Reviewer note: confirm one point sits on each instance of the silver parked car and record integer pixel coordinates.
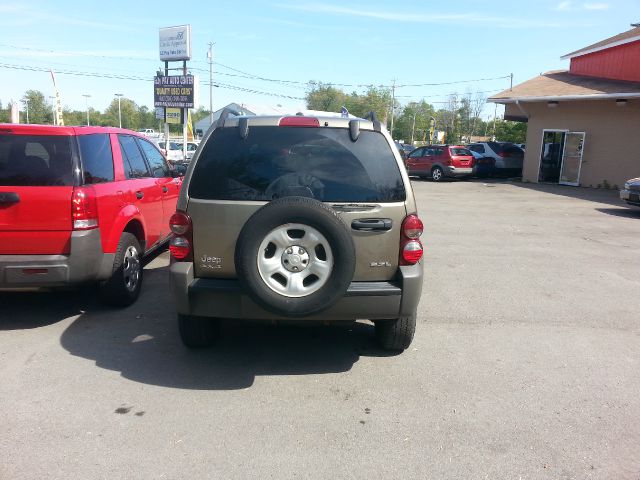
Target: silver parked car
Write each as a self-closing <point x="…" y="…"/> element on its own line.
<point x="295" y="217"/>
<point x="509" y="158"/>
<point x="631" y="192"/>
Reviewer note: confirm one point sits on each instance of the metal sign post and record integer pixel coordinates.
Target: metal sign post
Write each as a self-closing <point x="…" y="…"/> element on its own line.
<point x="175" y="91"/>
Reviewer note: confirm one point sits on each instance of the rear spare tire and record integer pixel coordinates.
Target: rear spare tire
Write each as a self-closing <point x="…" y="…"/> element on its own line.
<point x="295" y="257"/>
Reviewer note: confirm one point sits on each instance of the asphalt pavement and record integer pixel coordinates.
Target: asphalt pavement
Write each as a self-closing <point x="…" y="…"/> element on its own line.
<point x="525" y="365"/>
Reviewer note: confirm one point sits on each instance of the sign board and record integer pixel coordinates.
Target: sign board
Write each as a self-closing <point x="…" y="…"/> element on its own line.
<point x="174" y="115"/>
<point x="177" y="91"/>
<point x="175" y="43"/>
<point x="159" y="113"/>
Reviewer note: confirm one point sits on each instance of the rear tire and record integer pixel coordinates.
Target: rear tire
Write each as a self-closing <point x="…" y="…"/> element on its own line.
<point x="437" y="174"/>
<point x="198" y="332"/>
<point x="123" y="287"/>
<point x="396" y="335"/>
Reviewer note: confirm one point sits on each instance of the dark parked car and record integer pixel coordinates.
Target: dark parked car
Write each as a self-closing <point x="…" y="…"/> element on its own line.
<point x="631" y="192"/>
<point x="483" y="166"/>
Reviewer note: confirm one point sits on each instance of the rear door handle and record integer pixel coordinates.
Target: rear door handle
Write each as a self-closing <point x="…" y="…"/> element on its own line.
<point x="139" y="195"/>
<point x="9" y="197"/>
<point x="372" y="224"/>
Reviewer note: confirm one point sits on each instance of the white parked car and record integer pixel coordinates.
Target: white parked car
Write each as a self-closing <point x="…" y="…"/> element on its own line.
<point x="191" y="149"/>
<point x="173" y="153"/>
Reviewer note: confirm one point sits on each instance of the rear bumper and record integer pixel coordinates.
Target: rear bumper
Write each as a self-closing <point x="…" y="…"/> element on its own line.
<point x="631" y="197"/>
<point x="457" y="172"/>
<point x="85" y="262"/>
<point x="224" y="298"/>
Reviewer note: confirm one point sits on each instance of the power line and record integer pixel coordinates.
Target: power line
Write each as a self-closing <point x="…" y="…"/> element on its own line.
<point x="137" y="78"/>
<point x="254" y="76"/>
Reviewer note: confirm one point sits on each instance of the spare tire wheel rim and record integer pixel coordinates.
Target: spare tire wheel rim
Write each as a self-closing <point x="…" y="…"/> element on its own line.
<point x="295" y="260"/>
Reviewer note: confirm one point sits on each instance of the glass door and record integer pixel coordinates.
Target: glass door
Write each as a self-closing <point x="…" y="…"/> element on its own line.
<point x="572" y="159"/>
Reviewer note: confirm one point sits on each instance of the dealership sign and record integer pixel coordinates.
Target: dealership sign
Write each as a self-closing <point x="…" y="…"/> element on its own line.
<point x="175" y="43"/>
<point x="174" y="91"/>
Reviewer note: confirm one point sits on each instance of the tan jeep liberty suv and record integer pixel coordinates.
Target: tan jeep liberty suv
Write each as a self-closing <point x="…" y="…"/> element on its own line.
<point x="296" y="217"/>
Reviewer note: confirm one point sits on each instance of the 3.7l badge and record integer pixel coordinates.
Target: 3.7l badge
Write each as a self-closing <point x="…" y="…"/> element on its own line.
<point x="380" y="264"/>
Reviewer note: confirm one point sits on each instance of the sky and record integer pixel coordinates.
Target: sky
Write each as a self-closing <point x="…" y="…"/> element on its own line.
<point x="265" y="52"/>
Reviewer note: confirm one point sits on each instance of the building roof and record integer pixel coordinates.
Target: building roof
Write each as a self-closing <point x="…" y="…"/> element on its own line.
<point x="562" y="85"/>
<point x="620" y="39"/>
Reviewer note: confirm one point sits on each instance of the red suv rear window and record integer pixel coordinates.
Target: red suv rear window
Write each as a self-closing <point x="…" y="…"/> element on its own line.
<point x="460" y="152"/>
<point x="35" y="160"/>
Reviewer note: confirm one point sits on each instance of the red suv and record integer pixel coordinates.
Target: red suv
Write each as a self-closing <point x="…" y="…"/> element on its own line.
<point x="439" y="161"/>
<point x="81" y="204"/>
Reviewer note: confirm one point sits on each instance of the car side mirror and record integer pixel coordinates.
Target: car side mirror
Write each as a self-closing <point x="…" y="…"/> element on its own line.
<point x="178" y="171"/>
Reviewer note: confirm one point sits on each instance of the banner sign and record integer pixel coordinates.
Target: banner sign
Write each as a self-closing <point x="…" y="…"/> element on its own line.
<point x="175" y="43"/>
<point x="176" y="91"/>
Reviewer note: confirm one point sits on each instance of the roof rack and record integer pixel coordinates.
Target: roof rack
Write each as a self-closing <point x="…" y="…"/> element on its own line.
<point x="225" y="114"/>
<point x="374" y="119"/>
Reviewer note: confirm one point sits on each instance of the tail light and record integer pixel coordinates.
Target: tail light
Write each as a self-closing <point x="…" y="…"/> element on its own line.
<point x="411" y="249"/>
<point x="502" y="154"/>
<point x="181" y="244"/>
<point x="299" y="121"/>
<point x="84" y="209"/>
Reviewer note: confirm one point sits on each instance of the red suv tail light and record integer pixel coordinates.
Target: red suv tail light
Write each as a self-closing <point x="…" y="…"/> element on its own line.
<point x="411" y="249"/>
<point x="84" y="208"/>
<point x="181" y="245"/>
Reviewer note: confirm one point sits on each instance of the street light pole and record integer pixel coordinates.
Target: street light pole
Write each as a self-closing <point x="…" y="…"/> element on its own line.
<point x="53" y="108"/>
<point x="86" y="97"/>
<point x="119" y="111"/>
<point x="210" y="57"/>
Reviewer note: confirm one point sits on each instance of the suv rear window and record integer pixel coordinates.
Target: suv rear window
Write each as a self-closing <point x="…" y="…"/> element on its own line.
<point x="504" y="147"/>
<point x="460" y="152"/>
<point x="274" y="162"/>
<point x="35" y="160"/>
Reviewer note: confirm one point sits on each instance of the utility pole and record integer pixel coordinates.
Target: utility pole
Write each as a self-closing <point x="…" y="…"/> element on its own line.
<point x="413" y="128"/>
<point x="86" y="97"/>
<point x="210" y="57"/>
<point x="393" y="105"/>
<point x="495" y="112"/>
<point x="53" y="108"/>
<point x="511" y="82"/>
<point x="119" y="111"/>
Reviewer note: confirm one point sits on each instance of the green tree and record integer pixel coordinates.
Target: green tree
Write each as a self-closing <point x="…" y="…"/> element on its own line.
<point x="5" y="113"/>
<point x="147" y="117"/>
<point x="376" y="99"/>
<point x="507" y="131"/>
<point x="129" y="111"/>
<point x="324" y="97"/>
<point x="330" y="99"/>
<point x="405" y="128"/>
<point x="199" y="114"/>
<point x="38" y="109"/>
